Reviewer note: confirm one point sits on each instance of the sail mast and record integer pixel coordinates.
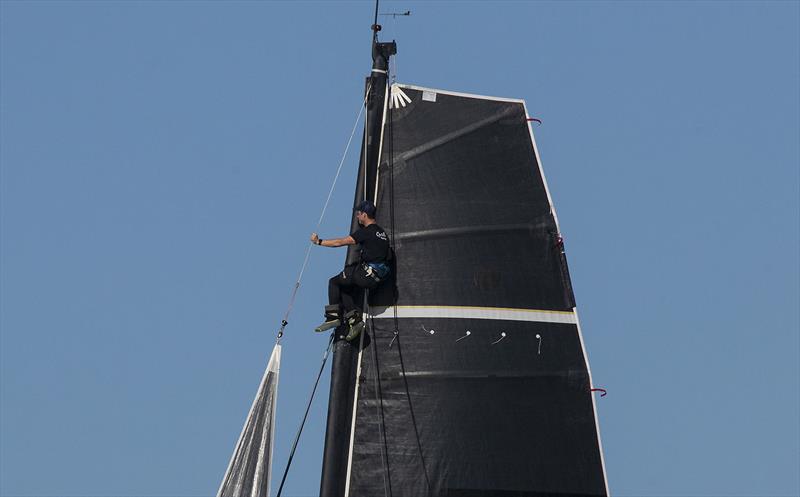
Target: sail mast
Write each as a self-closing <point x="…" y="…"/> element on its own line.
<point x="474" y="381"/>
<point x="345" y="354"/>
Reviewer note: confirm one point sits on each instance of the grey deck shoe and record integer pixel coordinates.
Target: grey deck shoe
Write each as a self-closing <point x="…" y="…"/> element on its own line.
<point x="355" y="330"/>
<point x="333" y="323"/>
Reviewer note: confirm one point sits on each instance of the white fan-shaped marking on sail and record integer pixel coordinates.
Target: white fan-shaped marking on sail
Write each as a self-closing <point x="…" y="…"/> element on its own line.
<point x="399" y="98"/>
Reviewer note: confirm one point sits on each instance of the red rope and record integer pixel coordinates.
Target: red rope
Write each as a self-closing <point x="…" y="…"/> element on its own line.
<point x="601" y="390"/>
<point x="534" y="119"/>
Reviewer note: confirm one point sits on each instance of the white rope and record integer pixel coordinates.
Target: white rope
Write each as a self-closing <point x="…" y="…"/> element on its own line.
<point x="322" y="215"/>
<point x="341" y="162"/>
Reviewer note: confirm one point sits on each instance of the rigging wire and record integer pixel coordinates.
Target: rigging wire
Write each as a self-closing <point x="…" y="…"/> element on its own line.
<point x="293" y="296"/>
<point x="305" y="416"/>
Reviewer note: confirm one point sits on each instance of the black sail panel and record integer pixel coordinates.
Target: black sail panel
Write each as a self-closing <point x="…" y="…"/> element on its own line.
<point x="484" y="390"/>
<point x="472" y="219"/>
<point x="476" y="419"/>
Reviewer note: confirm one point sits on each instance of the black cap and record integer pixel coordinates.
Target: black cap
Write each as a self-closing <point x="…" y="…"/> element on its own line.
<point x="367" y="208"/>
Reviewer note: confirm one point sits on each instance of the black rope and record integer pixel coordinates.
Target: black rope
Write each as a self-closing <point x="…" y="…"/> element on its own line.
<point x="391" y="213"/>
<point x="394" y="306"/>
<point x="387" y="476"/>
<point x="413" y="417"/>
<point x="305" y="416"/>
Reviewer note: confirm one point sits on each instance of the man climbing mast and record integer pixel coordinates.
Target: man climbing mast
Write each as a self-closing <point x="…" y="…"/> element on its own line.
<point x="345" y="290"/>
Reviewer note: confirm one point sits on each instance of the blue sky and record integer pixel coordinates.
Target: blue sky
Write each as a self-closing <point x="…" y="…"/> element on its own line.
<point x="162" y="164"/>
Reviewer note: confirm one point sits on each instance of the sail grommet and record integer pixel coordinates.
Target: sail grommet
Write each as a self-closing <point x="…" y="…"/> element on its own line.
<point x="502" y="336"/>
<point x="468" y="333"/>
<point x="430" y="332"/>
<point x="539" y="350"/>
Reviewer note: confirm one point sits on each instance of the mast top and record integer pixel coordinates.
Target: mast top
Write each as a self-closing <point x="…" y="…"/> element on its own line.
<point x="380" y="51"/>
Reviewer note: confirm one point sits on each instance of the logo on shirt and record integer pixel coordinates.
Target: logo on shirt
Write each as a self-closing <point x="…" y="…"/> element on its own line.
<point x="381" y="235"/>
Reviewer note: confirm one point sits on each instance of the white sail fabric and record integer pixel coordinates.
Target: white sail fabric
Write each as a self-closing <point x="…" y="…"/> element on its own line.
<point x="250" y="468"/>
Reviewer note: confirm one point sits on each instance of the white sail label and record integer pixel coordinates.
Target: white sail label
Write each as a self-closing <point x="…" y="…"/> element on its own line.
<point x="429" y="96"/>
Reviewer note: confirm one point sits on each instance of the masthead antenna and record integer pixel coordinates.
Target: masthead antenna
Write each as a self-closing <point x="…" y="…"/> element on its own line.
<point x="396" y="14"/>
<point x="375" y="26"/>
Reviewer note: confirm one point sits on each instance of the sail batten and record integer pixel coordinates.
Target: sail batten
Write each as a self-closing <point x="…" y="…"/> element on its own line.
<point x="468" y="230"/>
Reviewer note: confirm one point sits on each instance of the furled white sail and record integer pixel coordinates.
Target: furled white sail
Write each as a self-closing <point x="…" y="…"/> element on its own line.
<point x="250" y="468"/>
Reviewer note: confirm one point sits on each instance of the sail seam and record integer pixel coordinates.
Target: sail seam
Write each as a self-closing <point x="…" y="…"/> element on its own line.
<point x="486" y="308"/>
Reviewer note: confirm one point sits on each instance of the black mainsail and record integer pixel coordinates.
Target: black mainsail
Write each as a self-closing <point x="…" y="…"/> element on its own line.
<point x="471" y="378"/>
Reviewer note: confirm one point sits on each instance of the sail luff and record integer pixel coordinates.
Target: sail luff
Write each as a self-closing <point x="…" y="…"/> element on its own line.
<point x="361" y="338"/>
<point x="345" y="360"/>
<point x="353" y="419"/>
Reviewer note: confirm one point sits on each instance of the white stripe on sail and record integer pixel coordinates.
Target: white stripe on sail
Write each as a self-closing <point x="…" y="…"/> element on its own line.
<point x="501" y="313"/>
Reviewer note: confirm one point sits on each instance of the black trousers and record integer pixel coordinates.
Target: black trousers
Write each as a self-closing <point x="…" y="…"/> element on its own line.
<point x="346" y="289"/>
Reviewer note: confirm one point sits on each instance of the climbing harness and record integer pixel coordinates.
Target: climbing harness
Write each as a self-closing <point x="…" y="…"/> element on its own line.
<point x="376" y="272"/>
